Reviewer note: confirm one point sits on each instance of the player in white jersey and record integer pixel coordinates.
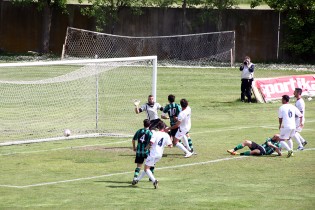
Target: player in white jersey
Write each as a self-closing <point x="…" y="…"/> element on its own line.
<point x="159" y="140"/>
<point x="183" y="124"/>
<point x="300" y="104"/>
<point x="247" y="78"/>
<point x="151" y="109"/>
<point x="286" y="114"/>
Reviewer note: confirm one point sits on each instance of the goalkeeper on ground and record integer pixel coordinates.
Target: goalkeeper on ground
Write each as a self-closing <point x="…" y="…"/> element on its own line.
<point x="151" y="109"/>
<point x="267" y="148"/>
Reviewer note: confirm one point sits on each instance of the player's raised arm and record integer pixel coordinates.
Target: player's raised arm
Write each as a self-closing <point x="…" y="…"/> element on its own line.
<point x="136" y="102"/>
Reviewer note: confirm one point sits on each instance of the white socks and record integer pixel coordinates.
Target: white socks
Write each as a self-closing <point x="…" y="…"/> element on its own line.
<point x="149" y="173"/>
<point x="290" y="143"/>
<point x="141" y="175"/>
<point x="298" y="139"/>
<point x="285" y="145"/>
<point x="302" y="140"/>
<point x="185" y="141"/>
<point x="180" y="146"/>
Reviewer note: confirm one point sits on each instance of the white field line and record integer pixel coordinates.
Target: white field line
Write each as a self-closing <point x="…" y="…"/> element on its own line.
<point x="275" y="127"/>
<point x="127" y="172"/>
<point x="120" y="173"/>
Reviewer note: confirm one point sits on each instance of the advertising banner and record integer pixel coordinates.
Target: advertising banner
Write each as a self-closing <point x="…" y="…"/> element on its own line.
<point x="269" y="89"/>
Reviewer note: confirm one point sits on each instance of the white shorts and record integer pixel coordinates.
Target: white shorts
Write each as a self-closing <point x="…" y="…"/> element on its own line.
<point x="180" y="133"/>
<point x="286" y="133"/>
<point x="150" y="161"/>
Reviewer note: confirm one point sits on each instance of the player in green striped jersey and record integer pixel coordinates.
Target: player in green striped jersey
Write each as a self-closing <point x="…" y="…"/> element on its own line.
<point x="267" y="148"/>
<point x="143" y="137"/>
<point x="173" y="109"/>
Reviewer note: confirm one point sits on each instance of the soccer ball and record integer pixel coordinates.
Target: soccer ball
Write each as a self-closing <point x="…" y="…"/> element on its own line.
<point x="67" y="132"/>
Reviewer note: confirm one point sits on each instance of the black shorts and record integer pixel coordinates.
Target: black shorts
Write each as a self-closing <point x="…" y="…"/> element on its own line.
<point x="173" y="132"/>
<point x="140" y="160"/>
<point x="259" y="147"/>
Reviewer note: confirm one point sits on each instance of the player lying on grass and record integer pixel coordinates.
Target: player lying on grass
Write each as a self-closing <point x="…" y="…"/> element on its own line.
<point x="267" y="148"/>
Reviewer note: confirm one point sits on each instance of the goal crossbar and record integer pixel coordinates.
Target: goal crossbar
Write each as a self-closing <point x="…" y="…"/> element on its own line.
<point x="81" y="61"/>
<point x="189" y="50"/>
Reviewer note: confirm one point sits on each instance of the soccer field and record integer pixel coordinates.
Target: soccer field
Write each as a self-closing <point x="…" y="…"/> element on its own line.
<point x="96" y="173"/>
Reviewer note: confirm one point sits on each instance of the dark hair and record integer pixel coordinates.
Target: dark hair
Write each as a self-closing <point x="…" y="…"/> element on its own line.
<point x="183" y="103"/>
<point x="171" y="98"/>
<point x="160" y="125"/>
<point x="150" y="96"/>
<point x="299" y="91"/>
<point x="286" y="98"/>
<point x="146" y="123"/>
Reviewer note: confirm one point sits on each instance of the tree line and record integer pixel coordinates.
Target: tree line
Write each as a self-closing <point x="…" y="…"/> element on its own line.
<point x="299" y="30"/>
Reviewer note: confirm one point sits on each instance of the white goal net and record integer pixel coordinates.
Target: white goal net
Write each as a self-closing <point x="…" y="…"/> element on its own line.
<point x="202" y="50"/>
<point x="39" y="100"/>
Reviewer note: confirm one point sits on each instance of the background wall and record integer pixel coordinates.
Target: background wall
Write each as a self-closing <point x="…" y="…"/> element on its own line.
<point x="256" y="30"/>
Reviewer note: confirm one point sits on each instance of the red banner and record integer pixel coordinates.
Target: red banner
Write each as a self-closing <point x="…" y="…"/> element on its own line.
<point x="275" y="88"/>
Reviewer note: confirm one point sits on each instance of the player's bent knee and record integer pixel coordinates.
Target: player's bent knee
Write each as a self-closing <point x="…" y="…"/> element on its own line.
<point x="247" y="143"/>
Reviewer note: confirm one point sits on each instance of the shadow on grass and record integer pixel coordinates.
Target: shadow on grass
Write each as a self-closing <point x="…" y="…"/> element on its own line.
<point x="164" y="155"/>
<point x="228" y="103"/>
<point x="114" y="182"/>
<point x="120" y="184"/>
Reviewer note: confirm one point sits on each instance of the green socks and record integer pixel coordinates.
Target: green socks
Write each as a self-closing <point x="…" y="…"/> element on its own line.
<point x="137" y="170"/>
<point x="240" y="146"/>
<point x="152" y="169"/>
<point x="247" y="153"/>
<point x="190" y="143"/>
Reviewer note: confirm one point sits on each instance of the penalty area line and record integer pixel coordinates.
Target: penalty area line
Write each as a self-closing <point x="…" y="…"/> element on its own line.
<point x="120" y="173"/>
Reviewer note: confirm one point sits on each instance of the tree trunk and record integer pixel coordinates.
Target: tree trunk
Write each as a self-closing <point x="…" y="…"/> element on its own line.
<point x="184" y="16"/>
<point x="46" y="24"/>
<point x="186" y="25"/>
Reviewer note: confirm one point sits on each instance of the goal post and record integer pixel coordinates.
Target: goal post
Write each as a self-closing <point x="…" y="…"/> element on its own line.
<point x="190" y="50"/>
<point x="91" y="97"/>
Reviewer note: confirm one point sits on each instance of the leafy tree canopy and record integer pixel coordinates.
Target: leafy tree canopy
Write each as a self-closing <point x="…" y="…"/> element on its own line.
<point x="299" y="33"/>
<point x="42" y="3"/>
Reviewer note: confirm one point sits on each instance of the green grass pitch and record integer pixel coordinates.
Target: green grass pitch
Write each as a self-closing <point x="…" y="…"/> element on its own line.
<point x="96" y="173"/>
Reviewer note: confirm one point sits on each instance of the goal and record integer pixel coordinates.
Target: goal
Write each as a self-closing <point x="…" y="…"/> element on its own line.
<point x="91" y="97"/>
<point x="202" y="50"/>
